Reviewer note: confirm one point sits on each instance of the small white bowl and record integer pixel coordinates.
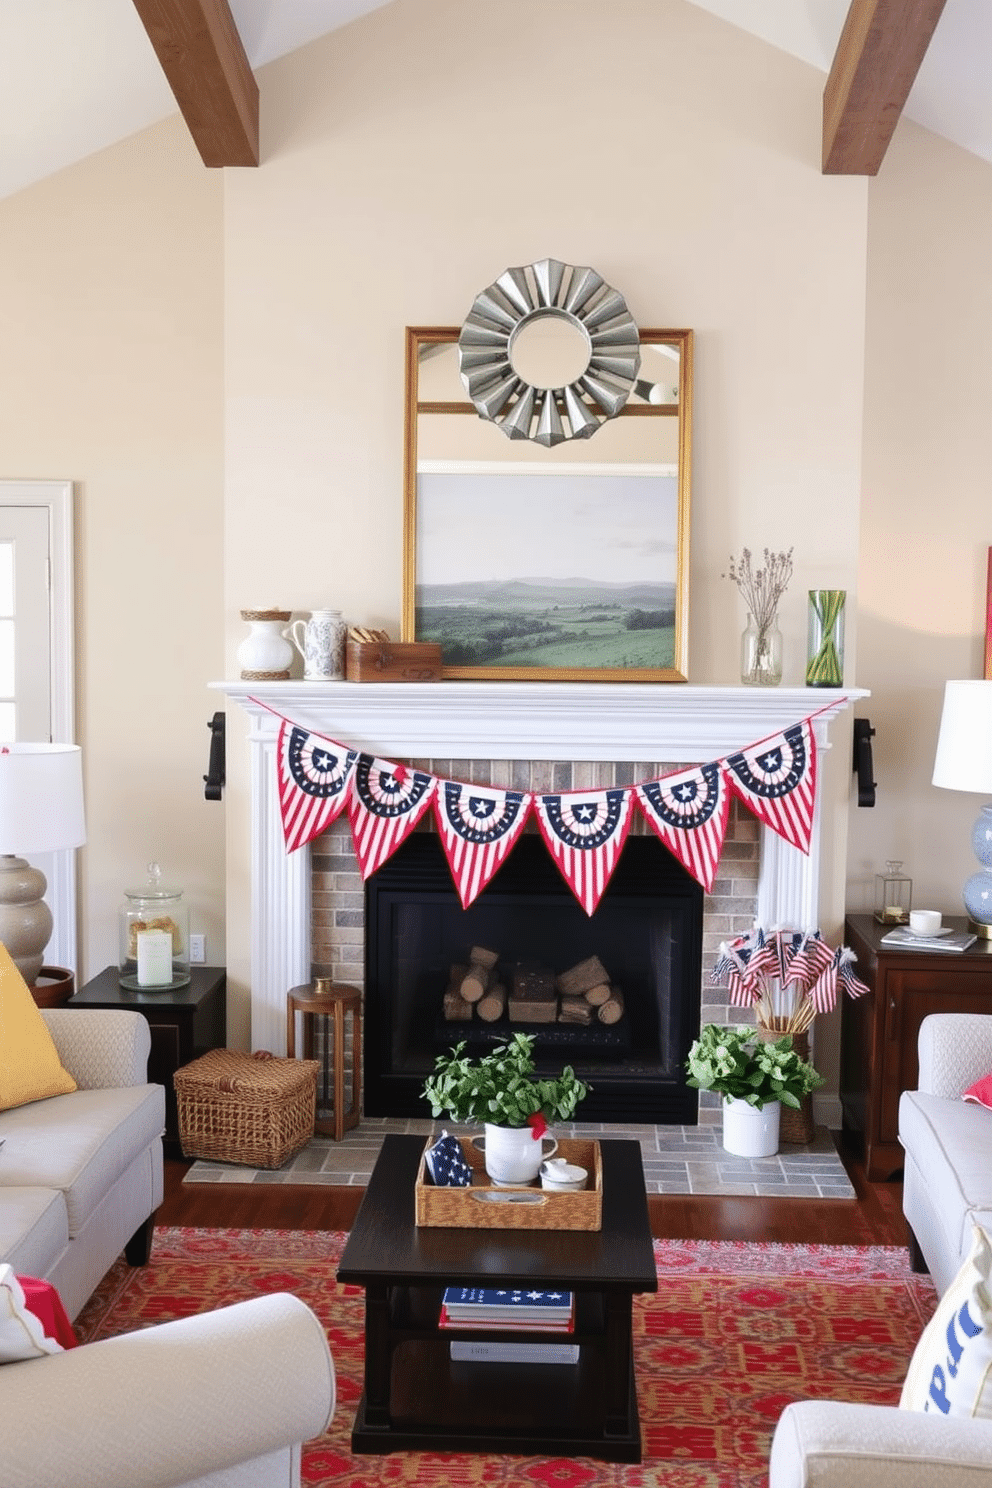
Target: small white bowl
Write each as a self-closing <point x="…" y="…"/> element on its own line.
<point x="559" y="1176"/>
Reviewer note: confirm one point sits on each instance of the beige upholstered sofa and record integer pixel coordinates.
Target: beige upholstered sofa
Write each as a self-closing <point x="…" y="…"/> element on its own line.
<point x="81" y="1174"/>
<point x="947" y="1188"/>
<point x="221" y="1400"/>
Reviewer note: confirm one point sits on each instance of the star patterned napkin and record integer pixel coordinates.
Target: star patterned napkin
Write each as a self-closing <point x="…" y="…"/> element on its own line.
<point x="447" y="1163"/>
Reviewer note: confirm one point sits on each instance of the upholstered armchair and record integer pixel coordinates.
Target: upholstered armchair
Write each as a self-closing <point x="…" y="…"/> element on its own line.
<point x="830" y="1444"/>
<point x="221" y="1400"/>
<point x="947" y="1192"/>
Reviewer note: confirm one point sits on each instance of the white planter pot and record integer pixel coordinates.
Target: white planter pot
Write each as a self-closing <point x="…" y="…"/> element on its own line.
<point x="751" y="1131"/>
<point x="514" y="1155"/>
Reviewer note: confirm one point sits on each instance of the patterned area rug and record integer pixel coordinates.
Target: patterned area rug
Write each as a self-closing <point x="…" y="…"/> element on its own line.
<point x="733" y="1334"/>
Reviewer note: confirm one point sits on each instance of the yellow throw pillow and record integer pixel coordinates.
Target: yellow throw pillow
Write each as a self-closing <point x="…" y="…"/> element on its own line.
<point x="30" y="1068"/>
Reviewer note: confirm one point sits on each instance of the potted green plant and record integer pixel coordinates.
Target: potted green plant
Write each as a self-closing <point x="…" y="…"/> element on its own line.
<point x="755" y="1079"/>
<point x="502" y="1091"/>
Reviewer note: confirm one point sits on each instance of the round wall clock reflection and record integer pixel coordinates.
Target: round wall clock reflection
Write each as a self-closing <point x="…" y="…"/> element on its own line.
<point x="549" y="352"/>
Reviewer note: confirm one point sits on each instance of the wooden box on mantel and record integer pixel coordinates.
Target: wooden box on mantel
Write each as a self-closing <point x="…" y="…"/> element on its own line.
<point x="483" y="1205"/>
<point x="392" y="661"/>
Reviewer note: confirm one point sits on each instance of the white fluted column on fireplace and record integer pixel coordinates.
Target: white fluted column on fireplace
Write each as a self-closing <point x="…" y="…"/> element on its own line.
<point x="501" y="721"/>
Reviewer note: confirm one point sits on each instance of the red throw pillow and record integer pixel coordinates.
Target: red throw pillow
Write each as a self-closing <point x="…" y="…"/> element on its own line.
<point x="33" y="1321"/>
<point x="980" y="1092"/>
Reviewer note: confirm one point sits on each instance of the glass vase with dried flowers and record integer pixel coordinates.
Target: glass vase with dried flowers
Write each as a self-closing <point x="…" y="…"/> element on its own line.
<point x="761" y="589"/>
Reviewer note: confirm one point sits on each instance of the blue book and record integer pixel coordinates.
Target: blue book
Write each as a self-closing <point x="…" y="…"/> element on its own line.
<point x="513" y="1304"/>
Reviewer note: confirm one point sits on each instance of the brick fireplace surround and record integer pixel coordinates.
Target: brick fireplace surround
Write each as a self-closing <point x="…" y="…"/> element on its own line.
<point x="307" y="907"/>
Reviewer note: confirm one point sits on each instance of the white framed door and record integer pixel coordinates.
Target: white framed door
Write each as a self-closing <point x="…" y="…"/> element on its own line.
<point x="37" y="693"/>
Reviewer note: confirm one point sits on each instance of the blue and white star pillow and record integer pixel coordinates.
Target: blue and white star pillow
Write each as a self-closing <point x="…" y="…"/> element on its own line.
<point x="447" y="1164"/>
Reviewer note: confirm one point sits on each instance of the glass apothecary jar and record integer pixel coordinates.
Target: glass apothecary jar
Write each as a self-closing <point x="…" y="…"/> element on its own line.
<point x="154" y="936"/>
<point x="893" y="895"/>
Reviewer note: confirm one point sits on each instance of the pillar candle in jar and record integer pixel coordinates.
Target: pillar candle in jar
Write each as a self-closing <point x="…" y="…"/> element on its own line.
<point x="154" y="958"/>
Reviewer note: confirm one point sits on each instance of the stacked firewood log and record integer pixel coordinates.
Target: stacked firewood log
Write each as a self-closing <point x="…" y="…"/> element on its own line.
<point x="579" y="996"/>
<point x="586" y="990"/>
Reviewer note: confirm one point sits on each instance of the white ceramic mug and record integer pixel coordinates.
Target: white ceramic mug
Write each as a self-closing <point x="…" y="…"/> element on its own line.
<point x="924" y="921"/>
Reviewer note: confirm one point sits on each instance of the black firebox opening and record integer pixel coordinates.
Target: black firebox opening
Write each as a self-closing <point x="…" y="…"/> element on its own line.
<point x="647" y="932"/>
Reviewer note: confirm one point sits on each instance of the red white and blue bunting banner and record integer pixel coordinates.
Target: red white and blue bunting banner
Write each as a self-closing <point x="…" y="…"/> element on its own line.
<point x="386" y="803"/>
<point x="478" y="826"/>
<point x="314" y="780"/>
<point x="584" y="830"/>
<point x="776" y="779"/>
<point x="689" y="811"/>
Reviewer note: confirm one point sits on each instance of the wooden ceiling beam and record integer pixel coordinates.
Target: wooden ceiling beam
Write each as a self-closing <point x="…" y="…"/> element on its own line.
<point x="200" y="52"/>
<point x="878" y="56"/>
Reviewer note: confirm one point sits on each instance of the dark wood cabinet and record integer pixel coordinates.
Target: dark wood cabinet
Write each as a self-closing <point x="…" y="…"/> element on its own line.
<point x="184" y="1022"/>
<point x="879" y="1032"/>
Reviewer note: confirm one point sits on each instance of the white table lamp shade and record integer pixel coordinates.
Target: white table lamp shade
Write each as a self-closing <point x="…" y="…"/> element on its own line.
<point x="41" y="798"/>
<point x="964" y="746"/>
<point x="964" y="763"/>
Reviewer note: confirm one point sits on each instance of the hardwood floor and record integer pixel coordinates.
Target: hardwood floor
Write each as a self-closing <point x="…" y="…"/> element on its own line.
<point x="873" y="1218"/>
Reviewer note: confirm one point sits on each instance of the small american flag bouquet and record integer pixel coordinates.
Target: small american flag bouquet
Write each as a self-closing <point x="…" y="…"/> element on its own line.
<point x="788" y="975"/>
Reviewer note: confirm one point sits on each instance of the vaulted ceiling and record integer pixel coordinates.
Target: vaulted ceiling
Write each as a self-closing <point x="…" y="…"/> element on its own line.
<point x="880" y="51"/>
<point x="76" y="77"/>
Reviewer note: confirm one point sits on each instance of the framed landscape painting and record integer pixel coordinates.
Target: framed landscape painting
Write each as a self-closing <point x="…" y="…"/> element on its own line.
<point x="549" y="571"/>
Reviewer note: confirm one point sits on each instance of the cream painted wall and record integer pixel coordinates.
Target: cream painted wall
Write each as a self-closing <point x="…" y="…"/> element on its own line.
<point x="111" y="303"/>
<point x="926" y="519"/>
<point x="169" y="331"/>
<point x="411" y="157"/>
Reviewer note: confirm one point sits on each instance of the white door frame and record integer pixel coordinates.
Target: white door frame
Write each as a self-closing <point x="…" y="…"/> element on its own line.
<point x="56" y="497"/>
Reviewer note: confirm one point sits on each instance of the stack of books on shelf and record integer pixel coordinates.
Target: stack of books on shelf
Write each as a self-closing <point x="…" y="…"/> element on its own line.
<point x="486" y="1309"/>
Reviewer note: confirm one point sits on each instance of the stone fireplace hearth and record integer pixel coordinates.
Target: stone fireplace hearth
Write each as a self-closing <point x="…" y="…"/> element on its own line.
<point x="541" y="736"/>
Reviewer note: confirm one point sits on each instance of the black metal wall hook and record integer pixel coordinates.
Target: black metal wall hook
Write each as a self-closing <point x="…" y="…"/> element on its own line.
<point x="215" y="778"/>
<point x="863" y="766"/>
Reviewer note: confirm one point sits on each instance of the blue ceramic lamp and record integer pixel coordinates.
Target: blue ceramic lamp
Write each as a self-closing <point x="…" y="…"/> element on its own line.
<point x="964" y="762"/>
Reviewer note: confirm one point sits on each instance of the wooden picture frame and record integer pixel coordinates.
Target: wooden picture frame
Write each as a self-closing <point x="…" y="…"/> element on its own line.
<point x="548" y="564"/>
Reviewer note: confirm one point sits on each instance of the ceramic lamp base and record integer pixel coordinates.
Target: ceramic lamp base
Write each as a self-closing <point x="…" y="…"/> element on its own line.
<point x="25" y="918"/>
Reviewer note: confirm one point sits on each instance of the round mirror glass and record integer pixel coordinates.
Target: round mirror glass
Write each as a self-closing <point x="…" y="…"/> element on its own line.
<point x="549" y="350"/>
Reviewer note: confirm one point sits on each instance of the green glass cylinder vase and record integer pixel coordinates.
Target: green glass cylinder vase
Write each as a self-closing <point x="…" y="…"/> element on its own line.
<point x="825" y="638"/>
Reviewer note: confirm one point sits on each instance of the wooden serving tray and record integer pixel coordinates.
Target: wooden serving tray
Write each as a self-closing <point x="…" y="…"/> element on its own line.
<point x="392" y="661"/>
<point x="483" y="1205"/>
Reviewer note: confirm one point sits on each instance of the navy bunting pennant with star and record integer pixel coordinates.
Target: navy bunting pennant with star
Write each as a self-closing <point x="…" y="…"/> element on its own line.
<point x="776" y="779"/>
<point x="585" y="831"/>
<point x="386" y="803"/>
<point x="688" y="811"/>
<point x="314" y="776"/>
<point x="478" y="826"/>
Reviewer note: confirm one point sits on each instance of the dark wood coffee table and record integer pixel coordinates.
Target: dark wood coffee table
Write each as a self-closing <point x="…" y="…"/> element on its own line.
<point x="417" y="1399"/>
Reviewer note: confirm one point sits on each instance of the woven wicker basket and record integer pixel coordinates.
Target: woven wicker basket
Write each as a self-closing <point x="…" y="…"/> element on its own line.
<point x="238" y="1108"/>
<point x="794" y="1126"/>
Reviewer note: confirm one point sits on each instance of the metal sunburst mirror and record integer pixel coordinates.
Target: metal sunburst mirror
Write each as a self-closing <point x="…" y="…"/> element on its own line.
<point x="580" y="298"/>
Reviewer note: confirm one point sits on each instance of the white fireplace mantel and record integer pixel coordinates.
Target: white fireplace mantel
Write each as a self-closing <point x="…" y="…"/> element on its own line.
<point x="654" y="723"/>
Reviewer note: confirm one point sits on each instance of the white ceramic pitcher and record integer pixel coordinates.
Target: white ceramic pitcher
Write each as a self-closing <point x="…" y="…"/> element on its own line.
<point x="320" y="641"/>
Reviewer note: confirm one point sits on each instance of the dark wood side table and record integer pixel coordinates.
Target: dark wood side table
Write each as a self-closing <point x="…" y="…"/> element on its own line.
<point x="185" y="1022"/>
<point x="879" y="1032"/>
<point x="417" y="1399"/>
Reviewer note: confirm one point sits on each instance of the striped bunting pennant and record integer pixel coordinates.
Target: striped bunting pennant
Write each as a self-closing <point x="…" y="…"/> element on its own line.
<point x="478" y="827"/>
<point x="776" y="779"/>
<point x="314" y="777"/>
<point x="386" y="803"/>
<point x="688" y="811"/>
<point x="585" y="831"/>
